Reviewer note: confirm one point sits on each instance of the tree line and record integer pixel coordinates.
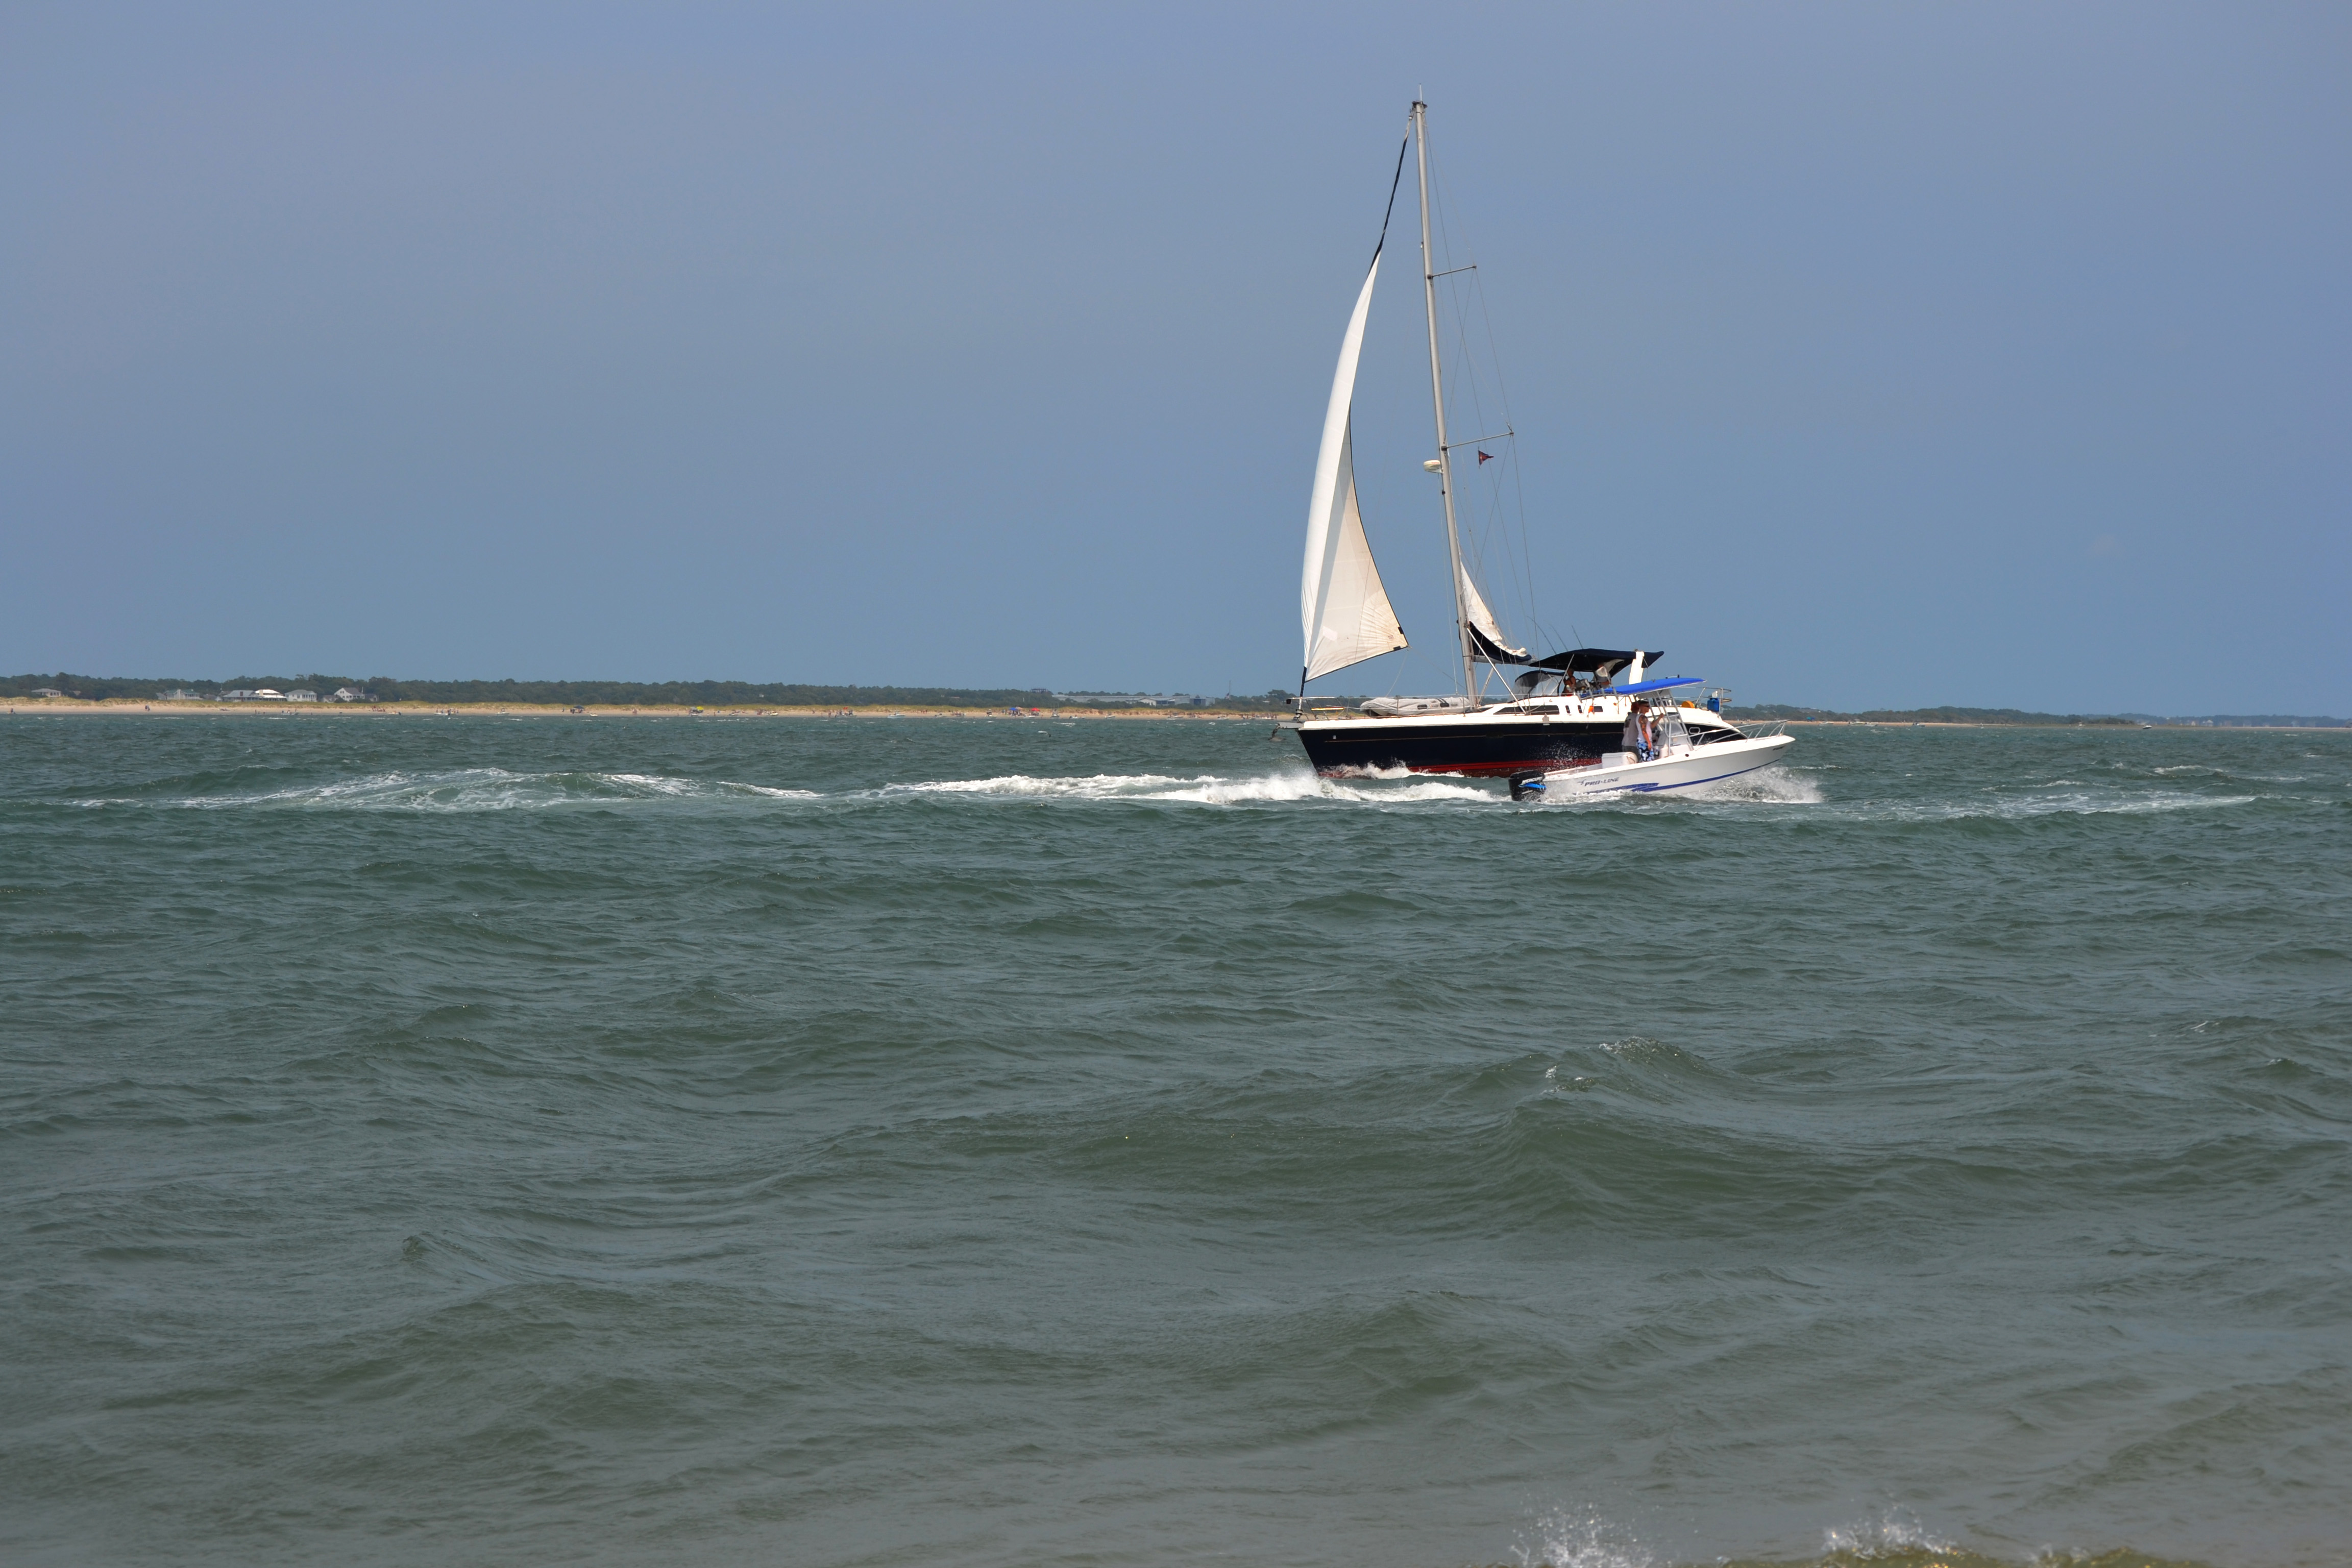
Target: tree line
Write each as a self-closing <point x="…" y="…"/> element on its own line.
<point x="560" y="693"/>
<point x="1927" y="715"/>
<point x="570" y="693"/>
<point x="2018" y="716"/>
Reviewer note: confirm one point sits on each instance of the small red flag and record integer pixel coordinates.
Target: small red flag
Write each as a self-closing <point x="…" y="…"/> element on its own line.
<point x="1484" y="459"/>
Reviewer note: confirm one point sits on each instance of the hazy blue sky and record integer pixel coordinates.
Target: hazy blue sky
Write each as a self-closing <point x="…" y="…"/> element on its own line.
<point x="1861" y="354"/>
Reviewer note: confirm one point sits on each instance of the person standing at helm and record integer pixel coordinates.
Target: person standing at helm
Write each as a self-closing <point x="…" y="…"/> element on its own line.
<point x="1638" y="736"/>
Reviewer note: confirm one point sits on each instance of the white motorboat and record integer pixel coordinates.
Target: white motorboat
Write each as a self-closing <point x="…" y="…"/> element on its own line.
<point x="1678" y="759"/>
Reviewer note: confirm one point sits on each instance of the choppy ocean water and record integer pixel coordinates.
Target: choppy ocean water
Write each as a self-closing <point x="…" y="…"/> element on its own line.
<point x="988" y="1141"/>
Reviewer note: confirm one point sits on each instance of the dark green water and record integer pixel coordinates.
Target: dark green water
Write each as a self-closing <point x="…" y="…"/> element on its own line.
<point x="982" y="1141"/>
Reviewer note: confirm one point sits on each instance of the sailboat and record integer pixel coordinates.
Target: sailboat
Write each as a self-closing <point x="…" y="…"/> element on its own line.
<point x="1564" y="724"/>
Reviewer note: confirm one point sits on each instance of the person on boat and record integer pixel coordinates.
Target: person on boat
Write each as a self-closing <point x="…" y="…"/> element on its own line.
<point x="1638" y="736"/>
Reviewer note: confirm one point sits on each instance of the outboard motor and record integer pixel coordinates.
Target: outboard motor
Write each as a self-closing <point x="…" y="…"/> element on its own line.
<point x="1527" y="786"/>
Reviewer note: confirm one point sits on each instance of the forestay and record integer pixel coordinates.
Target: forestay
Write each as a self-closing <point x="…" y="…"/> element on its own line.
<point x="1343" y="609"/>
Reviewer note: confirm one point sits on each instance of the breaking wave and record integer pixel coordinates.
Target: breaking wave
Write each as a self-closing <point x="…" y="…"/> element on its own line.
<point x="479" y="789"/>
<point x="1895" y="1533"/>
<point x="490" y="788"/>
<point x="1567" y="1538"/>
<point x="2051" y="801"/>
<point x="498" y="789"/>
<point x="1207" y="789"/>
<point x="1564" y="1539"/>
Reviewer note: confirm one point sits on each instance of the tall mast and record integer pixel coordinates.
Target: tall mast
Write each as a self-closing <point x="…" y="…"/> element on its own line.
<point x="1437" y="397"/>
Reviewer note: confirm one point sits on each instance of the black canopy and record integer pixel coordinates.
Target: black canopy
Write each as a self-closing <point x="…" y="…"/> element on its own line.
<point x="1600" y="662"/>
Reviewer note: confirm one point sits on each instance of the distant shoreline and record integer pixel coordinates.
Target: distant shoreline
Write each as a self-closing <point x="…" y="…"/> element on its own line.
<point x="48" y="707"/>
<point x="122" y="707"/>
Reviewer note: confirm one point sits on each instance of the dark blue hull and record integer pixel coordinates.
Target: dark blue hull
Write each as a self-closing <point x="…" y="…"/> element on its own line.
<point x="1476" y="747"/>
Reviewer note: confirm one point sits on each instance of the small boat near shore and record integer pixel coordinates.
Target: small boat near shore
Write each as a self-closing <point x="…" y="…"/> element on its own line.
<point x="1561" y="724"/>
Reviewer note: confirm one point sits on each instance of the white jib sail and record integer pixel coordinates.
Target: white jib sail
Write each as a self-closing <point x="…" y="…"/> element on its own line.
<point x="1484" y="619"/>
<point x="1343" y="610"/>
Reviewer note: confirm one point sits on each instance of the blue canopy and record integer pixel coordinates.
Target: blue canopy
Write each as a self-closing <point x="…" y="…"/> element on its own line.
<point x="1658" y="685"/>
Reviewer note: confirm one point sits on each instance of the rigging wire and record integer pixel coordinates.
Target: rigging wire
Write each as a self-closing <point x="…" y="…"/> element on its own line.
<point x="1470" y="375"/>
<point x="1518" y="482"/>
<point x="1466" y="379"/>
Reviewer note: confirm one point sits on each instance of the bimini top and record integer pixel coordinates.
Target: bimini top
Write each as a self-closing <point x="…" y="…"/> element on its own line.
<point x="1603" y="662"/>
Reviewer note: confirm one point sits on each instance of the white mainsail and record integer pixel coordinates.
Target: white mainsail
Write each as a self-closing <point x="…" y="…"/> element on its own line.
<point x="1481" y="619"/>
<point x="1343" y="610"/>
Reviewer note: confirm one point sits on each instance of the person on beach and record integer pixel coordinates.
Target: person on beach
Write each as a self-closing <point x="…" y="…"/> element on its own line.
<point x="1638" y="734"/>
